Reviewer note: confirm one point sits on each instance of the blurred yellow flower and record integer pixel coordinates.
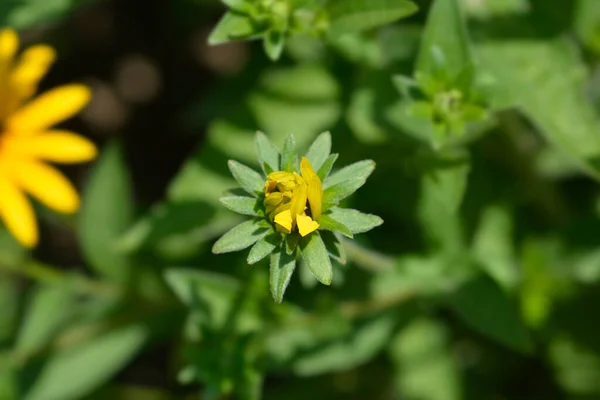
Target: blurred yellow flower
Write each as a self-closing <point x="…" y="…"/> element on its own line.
<point x="289" y="196"/>
<point x="27" y="140"/>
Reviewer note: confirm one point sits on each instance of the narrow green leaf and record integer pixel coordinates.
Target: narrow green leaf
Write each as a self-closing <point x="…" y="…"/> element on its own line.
<point x="334" y="246"/>
<point x="358" y="171"/>
<point x="47" y="310"/>
<point x="445" y="44"/>
<point x="314" y="254"/>
<point x="267" y="153"/>
<point x="241" y="236"/>
<point x="291" y="243"/>
<point x="250" y="180"/>
<point x="319" y="150"/>
<point x="354" y="220"/>
<point x="325" y="169"/>
<point x="289" y="158"/>
<point x="107" y="211"/>
<point x="78" y="370"/>
<point x="274" y="42"/>
<point x="336" y="193"/>
<point x="233" y="26"/>
<point x="243" y="205"/>
<point x="282" y="269"/>
<point x="328" y="223"/>
<point x="348" y="16"/>
<point x="264" y="247"/>
<point x="485" y="307"/>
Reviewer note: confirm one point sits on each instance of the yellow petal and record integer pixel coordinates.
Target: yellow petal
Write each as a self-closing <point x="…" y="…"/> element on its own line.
<point x="9" y="43"/>
<point x="31" y="67"/>
<point x="47" y="184"/>
<point x="57" y="146"/>
<point x="306" y="225"/>
<point x="298" y="203"/>
<point x="315" y="190"/>
<point x="283" y="221"/>
<point x="17" y="213"/>
<point x="49" y="108"/>
<point x="306" y="169"/>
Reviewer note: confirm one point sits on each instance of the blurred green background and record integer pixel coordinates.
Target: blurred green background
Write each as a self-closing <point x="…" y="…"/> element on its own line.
<point x="483" y="282"/>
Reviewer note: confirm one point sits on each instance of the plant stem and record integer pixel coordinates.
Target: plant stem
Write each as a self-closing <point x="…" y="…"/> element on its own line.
<point x="48" y="275"/>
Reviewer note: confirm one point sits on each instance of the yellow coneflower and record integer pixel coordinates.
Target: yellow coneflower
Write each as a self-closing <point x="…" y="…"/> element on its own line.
<point x="27" y="141"/>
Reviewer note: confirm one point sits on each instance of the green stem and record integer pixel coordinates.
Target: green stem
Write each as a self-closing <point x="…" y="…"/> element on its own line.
<point x="46" y="274"/>
<point x="368" y="259"/>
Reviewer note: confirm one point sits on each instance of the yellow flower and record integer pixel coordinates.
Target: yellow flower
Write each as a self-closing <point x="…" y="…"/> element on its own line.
<point x="293" y="200"/>
<point x="27" y="140"/>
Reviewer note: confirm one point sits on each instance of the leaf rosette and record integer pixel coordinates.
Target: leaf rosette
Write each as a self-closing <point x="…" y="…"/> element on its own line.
<point x="294" y="203"/>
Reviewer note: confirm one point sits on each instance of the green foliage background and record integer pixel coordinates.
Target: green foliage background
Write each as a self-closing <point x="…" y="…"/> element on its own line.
<point x="483" y="282"/>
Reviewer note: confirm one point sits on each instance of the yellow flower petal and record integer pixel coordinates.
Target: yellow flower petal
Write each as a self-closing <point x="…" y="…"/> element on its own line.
<point x="49" y="108"/>
<point x="306" y="225"/>
<point x="283" y="221"/>
<point x="315" y="190"/>
<point x="47" y="184"/>
<point x="9" y="43"/>
<point x="17" y="213"/>
<point x="57" y="146"/>
<point x="298" y="203"/>
<point x="31" y="67"/>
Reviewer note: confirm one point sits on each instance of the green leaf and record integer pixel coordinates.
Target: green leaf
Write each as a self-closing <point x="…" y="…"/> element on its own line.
<point x="267" y="153"/>
<point x="346" y="181"/>
<point x="325" y="169"/>
<point x="445" y="43"/>
<point x="314" y="254"/>
<point x="346" y="16"/>
<point x="422" y="354"/>
<point x="46" y="312"/>
<point x="243" y="205"/>
<point x="330" y="224"/>
<point x="107" y="212"/>
<point x="354" y="220"/>
<point x="241" y="236"/>
<point x="442" y="190"/>
<point x="8" y="377"/>
<point x="544" y="80"/>
<point x="493" y="247"/>
<point x="587" y="23"/>
<point x="27" y="13"/>
<point x="78" y="370"/>
<point x="282" y="269"/>
<point x="334" y="246"/>
<point x="233" y="26"/>
<point x="250" y="180"/>
<point x="485" y="307"/>
<point x="302" y="100"/>
<point x="576" y="367"/>
<point x="289" y="157"/>
<point x="264" y="247"/>
<point x="358" y="171"/>
<point x="359" y="345"/>
<point x="318" y="152"/>
<point x="274" y="42"/>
